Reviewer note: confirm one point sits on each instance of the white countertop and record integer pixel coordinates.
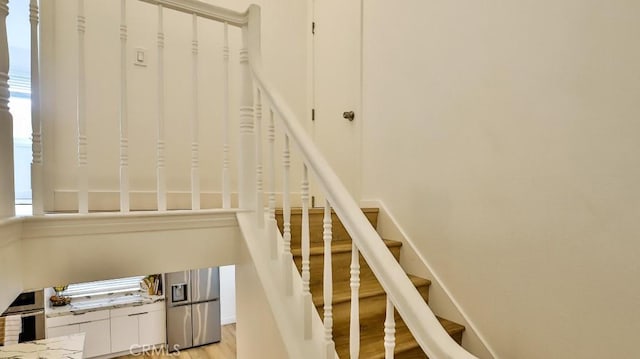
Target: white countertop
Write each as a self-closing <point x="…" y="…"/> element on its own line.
<point x="102" y="303"/>
<point x="67" y="347"/>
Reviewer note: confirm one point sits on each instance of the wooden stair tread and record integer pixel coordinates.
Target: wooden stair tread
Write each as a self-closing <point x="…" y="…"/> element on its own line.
<point x="337" y="247"/>
<point x="452" y="328"/>
<point x="372" y="344"/>
<point x="341" y="261"/>
<point x="369" y="287"/>
<point x="319" y="210"/>
<point x="372" y="298"/>
<point x="316" y="224"/>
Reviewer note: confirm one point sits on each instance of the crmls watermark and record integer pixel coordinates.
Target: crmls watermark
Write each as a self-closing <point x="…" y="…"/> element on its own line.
<point x="139" y="350"/>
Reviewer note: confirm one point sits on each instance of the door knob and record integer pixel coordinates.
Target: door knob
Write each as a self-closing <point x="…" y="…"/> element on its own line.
<point x="349" y="115"/>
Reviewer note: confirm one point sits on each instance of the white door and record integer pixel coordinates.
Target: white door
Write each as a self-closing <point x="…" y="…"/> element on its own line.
<point x="337" y="85"/>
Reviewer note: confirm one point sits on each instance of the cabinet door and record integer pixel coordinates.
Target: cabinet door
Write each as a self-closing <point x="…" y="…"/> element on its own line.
<point x="124" y="333"/>
<point x="96" y="338"/>
<point x="152" y="328"/>
<point x="63" y="330"/>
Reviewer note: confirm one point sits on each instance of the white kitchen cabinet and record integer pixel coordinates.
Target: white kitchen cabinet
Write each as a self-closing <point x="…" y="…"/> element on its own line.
<point x="152" y="328"/>
<point x="137" y="327"/>
<point x="114" y="331"/>
<point x="124" y="333"/>
<point x="95" y="325"/>
<point x="96" y="338"/>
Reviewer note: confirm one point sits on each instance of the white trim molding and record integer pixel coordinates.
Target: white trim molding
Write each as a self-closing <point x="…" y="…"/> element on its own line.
<point x="10" y="231"/>
<point x="63" y="225"/>
<point x="73" y="248"/>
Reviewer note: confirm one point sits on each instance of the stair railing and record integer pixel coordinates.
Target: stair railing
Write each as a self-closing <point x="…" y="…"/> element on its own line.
<point x="401" y="293"/>
<point x="197" y="10"/>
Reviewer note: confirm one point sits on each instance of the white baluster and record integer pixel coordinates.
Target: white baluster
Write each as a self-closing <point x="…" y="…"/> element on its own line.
<point x="124" y="122"/>
<point x="246" y="157"/>
<point x="160" y="145"/>
<point x="195" y="161"/>
<point x="83" y="173"/>
<point x="328" y="283"/>
<point x="389" y="331"/>
<point x="354" y="327"/>
<point x="7" y="190"/>
<point x="287" y="257"/>
<point x="37" y="184"/>
<point x="306" y="274"/>
<point x="273" y="225"/>
<point x="259" y="189"/>
<point x="226" y="162"/>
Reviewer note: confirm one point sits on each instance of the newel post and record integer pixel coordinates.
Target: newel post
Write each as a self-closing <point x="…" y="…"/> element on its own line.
<point x="7" y="188"/>
<point x="247" y="156"/>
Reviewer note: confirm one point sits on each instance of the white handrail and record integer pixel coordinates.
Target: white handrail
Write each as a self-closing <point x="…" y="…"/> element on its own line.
<point x="204" y="10"/>
<point x="424" y="325"/>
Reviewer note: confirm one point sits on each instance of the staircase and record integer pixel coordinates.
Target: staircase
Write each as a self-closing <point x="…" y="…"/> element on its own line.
<point x="371" y="294"/>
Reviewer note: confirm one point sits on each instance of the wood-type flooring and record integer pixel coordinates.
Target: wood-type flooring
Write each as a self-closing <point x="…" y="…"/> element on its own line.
<point x="225" y="349"/>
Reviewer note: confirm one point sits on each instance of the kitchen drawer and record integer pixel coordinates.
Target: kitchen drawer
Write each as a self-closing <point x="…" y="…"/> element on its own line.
<point x="62" y="330"/>
<point x="76" y="318"/>
<point x="121" y="312"/>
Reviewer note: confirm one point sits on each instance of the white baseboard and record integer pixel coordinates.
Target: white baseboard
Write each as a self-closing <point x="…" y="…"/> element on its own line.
<point x="227" y="320"/>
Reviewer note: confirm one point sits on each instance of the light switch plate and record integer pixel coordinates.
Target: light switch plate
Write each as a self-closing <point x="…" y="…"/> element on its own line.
<point x="140" y="57"/>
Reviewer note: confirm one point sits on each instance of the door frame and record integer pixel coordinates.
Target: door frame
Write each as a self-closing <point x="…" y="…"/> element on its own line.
<point x="317" y="199"/>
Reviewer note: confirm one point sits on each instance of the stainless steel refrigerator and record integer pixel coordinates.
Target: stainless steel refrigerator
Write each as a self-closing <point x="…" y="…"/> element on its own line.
<point x="193" y="308"/>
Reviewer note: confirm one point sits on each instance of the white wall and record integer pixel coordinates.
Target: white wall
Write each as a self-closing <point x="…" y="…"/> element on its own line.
<point x="228" y="294"/>
<point x="510" y="158"/>
<point x="285" y="61"/>
<point x="37" y="252"/>
<point x="257" y="335"/>
<point x="75" y="249"/>
<point x="11" y="272"/>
